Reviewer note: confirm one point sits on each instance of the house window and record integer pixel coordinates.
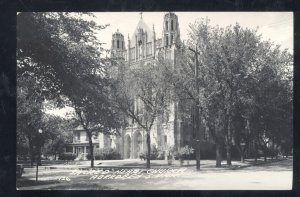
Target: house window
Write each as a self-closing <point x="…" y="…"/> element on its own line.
<point x="69" y="149"/>
<point x="166" y="25"/>
<point x="78" y="136"/>
<point x="171" y="39"/>
<point x="166" y="140"/>
<point x="172" y="27"/>
<point x="117" y="43"/>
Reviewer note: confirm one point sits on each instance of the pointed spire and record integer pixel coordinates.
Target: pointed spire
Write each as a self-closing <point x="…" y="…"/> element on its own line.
<point x="153" y="27"/>
<point x="141" y="13"/>
<point x="128" y="36"/>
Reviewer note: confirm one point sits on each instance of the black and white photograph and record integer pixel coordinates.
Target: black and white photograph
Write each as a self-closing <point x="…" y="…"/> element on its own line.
<point x="154" y="100"/>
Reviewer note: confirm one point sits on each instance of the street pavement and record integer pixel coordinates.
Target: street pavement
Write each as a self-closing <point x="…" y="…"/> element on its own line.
<point x="241" y="176"/>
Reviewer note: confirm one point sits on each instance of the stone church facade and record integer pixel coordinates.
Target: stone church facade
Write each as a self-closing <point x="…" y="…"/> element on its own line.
<point x="145" y="45"/>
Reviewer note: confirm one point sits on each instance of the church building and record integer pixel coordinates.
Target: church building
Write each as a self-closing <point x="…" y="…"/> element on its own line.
<point x="145" y="46"/>
<point x="170" y="129"/>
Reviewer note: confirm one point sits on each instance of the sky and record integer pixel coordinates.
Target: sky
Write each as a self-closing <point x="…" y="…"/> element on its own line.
<point x="276" y="26"/>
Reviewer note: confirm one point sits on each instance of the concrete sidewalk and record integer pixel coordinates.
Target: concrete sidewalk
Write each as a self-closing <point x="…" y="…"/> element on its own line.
<point x="137" y="163"/>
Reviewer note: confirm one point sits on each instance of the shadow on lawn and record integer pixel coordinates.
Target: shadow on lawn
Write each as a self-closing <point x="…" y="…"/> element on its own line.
<point x="79" y="186"/>
<point x="23" y="182"/>
<point x="276" y="165"/>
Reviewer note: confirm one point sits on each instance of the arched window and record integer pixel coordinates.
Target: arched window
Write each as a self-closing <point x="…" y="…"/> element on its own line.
<point x="167" y="40"/>
<point x="117" y="43"/>
<point x="166" y="140"/>
<point x="172" y="27"/>
<point x="166" y="25"/>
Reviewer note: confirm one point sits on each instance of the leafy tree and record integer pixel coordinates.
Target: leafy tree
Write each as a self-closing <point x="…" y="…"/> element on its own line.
<point x="145" y="82"/>
<point x="239" y="74"/>
<point x="57" y="134"/>
<point x="273" y="119"/>
<point x="29" y="116"/>
<point x="62" y="52"/>
<point x="210" y="99"/>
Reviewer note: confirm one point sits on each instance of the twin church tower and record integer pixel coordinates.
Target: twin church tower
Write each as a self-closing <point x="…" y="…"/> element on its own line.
<point x="144" y="45"/>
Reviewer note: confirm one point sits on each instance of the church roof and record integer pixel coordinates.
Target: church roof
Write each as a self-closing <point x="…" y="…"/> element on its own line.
<point x="141" y="25"/>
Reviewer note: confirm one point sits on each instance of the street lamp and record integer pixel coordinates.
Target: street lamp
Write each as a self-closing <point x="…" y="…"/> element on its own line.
<point x="40" y="131"/>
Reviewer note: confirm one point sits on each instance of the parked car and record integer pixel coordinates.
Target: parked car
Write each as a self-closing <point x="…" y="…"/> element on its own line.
<point x="19" y="170"/>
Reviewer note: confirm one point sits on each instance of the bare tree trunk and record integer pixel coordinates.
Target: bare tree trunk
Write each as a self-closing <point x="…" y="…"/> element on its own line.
<point x="91" y="148"/>
<point x="255" y="150"/>
<point x="218" y="154"/>
<point x="228" y="153"/>
<point x="31" y="152"/>
<point x="265" y="154"/>
<point x="276" y="152"/>
<point x="228" y="139"/>
<point x="241" y="151"/>
<point x="273" y="150"/>
<point x="148" y="150"/>
<point x="242" y="158"/>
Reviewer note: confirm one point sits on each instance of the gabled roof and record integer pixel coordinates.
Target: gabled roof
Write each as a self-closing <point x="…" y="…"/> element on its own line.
<point x="141" y="25"/>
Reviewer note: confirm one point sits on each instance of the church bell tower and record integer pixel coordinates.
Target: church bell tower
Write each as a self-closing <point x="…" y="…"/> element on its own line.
<point x="117" y="45"/>
<point x="171" y="33"/>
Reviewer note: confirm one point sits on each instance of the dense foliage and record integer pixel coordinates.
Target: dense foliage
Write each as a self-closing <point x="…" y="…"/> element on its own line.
<point x="245" y="89"/>
<point x="62" y="54"/>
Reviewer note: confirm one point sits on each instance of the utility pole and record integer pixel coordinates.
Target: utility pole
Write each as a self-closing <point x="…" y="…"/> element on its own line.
<point x="197" y="108"/>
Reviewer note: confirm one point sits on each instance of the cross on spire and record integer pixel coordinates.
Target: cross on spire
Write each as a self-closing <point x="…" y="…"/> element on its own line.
<point x="141" y="13"/>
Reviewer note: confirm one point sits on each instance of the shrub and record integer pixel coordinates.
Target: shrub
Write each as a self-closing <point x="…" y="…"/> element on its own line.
<point x="67" y="156"/>
<point x="155" y="154"/>
<point x="171" y="152"/>
<point x="105" y="154"/>
<point x="185" y="152"/>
